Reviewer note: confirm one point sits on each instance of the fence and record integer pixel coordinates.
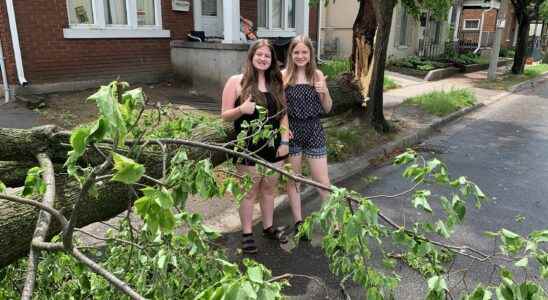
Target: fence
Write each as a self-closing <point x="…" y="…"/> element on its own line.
<point x="468" y="40"/>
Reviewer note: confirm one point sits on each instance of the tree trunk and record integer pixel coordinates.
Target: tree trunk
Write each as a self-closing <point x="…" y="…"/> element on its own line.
<point x="521" y="46"/>
<point x="371" y="32"/>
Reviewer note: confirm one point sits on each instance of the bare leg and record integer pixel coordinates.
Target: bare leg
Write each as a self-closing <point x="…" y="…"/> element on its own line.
<point x="293" y="190"/>
<point x="246" y="206"/>
<point x="267" y="192"/>
<point x="318" y="170"/>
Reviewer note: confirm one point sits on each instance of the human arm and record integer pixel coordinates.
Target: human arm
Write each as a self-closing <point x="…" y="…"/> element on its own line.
<point x="283" y="149"/>
<point x="229" y="110"/>
<point x="321" y="87"/>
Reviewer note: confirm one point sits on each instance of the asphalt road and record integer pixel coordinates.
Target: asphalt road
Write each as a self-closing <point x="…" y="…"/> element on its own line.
<point x="502" y="147"/>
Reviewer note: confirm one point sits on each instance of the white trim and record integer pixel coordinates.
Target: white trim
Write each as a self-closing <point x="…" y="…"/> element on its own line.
<point x="15" y="42"/>
<point x="100" y="33"/>
<point x="470" y="28"/>
<point x="197" y="14"/>
<point x="99" y="29"/>
<point x="4" y="76"/>
<point x="261" y="32"/>
<point x="231" y="21"/>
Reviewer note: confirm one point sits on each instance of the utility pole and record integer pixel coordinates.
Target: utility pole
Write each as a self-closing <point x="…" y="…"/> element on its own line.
<point x="493" y="61"/>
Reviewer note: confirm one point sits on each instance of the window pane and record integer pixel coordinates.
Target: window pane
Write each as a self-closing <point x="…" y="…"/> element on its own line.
<point x="145" y="12"/>
<point x="80" y="12"/>
<point x="262" y="7"/>
<point x="209" y="8"/>
<point x="291" y="14"/>
<point x="277" y="9"/>
<point x="115" y="12"/>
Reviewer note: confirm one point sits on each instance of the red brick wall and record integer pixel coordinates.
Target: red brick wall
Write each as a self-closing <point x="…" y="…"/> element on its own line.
<point x="489" y="21"/>
<point x="5" y="38"/>
<point x="48" y="56"/>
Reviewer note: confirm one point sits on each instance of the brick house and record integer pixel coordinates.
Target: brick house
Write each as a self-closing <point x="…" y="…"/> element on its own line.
<point x="68" y="44"/>
<point x="478" y="21"/>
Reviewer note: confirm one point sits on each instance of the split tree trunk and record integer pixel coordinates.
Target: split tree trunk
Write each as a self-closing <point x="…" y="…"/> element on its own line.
<point x="371" y="32"/>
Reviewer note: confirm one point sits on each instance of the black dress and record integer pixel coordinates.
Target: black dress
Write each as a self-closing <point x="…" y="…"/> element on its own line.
<point x="266" y="149"/>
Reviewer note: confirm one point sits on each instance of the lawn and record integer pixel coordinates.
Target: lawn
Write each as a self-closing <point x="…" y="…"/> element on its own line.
<point x="441" y="103"/>
<point x="335" y="67"/>
<point x="506" y="81"/>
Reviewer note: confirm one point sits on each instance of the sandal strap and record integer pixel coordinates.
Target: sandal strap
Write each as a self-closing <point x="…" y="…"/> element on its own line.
<point x="277" y="233"/>
<point x="248" y="244"/>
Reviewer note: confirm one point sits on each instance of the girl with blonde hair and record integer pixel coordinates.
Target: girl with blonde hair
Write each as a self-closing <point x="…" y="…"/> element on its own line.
<point x="307" y="98"/>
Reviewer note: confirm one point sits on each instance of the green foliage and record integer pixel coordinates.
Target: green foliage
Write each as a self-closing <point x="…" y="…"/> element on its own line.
<point x="535" y="70"/>
<point x="2" y="187"/>
<point x="418" y="63"/>
<point x="441" y="103"/>
<point x="333" y="68"/>
<point x="34" y="184"/>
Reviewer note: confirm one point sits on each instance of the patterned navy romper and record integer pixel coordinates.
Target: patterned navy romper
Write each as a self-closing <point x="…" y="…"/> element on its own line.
<point x="304" y="109"/>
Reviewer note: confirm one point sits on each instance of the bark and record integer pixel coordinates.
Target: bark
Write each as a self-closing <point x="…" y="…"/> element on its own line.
<point x="371" y="32"/>
<point x="521" y="46"/>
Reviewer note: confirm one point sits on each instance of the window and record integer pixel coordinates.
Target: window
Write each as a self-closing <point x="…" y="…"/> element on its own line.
<point x="276" y="16"/>
<point x="473" y="24"/>
<point x="403" y="28"/>
<point x="114" y="19"/>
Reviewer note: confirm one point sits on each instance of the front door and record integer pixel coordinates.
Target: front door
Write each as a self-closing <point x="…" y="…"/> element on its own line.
<point x="212" y="21"/>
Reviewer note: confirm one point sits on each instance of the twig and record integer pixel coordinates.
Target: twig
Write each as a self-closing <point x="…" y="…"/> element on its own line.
<point x="36" y="204"/>
<point x="108" y="239"/>
<point x="343" y="289"/>
<point x="42" y="224"/>
<point x="119" y="284"/>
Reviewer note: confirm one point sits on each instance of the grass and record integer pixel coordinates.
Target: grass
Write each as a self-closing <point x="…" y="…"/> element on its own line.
<point x="441" y="103"/>
<point x="348" y="135"/>
<point x="335" y="67"/>
<point x="506" y="81"/>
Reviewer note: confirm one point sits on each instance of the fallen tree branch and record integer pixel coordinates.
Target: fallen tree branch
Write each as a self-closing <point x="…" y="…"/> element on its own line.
<point x="42" y="225"/>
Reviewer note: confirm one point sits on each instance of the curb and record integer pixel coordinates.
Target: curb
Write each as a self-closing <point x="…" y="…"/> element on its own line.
<point x="229" y="220"/>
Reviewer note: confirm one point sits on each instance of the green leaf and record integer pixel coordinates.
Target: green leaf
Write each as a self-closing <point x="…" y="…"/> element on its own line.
<point x="108" y="105"/>
<point x="522" y="262"/>
<point x="2" y="187"/>
<point x="128" y="171"/>
<point x="441" y="229"/>
<point x="78" y="140"/>
<point x="34" y="184"/>
<point x="480" y="293"/>
<point x="437" y="283"/>
<point x="255" y="274"/>
<point x="420" y="199"/>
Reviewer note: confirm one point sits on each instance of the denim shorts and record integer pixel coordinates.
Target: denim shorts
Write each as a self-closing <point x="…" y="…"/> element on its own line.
<point x="307" y="152"/>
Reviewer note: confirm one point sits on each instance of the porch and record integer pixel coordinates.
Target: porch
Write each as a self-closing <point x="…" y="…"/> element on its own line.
<point x="206" y="65"/>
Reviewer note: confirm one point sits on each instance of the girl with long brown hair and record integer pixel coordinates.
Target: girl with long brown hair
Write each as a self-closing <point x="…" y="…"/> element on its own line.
<point x="307" y="98"/>
<point x="260" y="84"/>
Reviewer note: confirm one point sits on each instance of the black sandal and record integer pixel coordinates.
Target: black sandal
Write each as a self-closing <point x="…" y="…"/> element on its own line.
<point x="248" y="244"/>
<point x="277" y="233"/>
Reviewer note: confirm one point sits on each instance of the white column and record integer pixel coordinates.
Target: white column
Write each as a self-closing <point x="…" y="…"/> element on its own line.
<point x="197" y="14"/>
<point x="457" y="25"/>
<point x="231" y="21"/>
<point x="301" y="16"/>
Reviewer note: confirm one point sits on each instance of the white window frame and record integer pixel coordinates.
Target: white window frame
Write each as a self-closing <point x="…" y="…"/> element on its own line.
<point x="470" y="28"/>
<point x="278" y="32"/>
<point x="99" y="29"/>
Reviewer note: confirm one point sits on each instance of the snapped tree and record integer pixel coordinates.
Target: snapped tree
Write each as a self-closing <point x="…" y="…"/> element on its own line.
<point x="371" y="33"/>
